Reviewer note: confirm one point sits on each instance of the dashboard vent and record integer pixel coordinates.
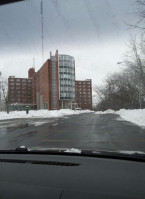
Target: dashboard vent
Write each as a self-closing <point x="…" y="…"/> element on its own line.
<point x="39" y="162"/>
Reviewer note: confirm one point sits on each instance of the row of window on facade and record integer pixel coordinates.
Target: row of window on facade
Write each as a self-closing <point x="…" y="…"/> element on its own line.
<point x="65" y="83"/>
<point x="66" y="70"/>
<point x="67" y="77"/>
<point x="84" y="86"/>
<point x="20" y="80"/>
<point x="18" y="84"/>
<point x="71" y="90"/>
<point x="67" y="95"/>
<point x="84" y="92"/>
<point x="83" y="82"/>
<point x="65" y="57"/>
<point x="23" y="87"/>
<point x="20" y="99"/>
<point x="18" y="91"/>
<point x="83" y="89"/>
<point x="18" y="95"/>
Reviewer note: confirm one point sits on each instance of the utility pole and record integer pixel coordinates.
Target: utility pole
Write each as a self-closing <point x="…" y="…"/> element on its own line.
<point x="140" y="94"/>
<point x="42" y="36"/>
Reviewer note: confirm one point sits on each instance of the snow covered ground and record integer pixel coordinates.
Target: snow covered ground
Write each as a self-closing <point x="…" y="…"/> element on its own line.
<point x="136" y="116"/>
<point x="41" y="114"/>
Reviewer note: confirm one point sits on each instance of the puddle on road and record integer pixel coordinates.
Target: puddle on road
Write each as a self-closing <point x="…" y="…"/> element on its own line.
<point x="16" y="124"/>
<point x="9" y="125"/>
<point x="55" y="124"/>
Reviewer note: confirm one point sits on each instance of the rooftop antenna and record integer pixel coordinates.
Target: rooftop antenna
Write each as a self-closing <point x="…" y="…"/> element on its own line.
<point x="42" y="37"/>
<point x="33" y="62"/>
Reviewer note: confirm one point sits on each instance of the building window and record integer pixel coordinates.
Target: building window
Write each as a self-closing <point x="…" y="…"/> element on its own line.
<point x="23" y="84"/>
<point x="11" y="83"/>
<point x="17" y="84"/>
<point x="12" y="91"/>
<point x="23" y="87"/>
<point x="12" y="87"/>
<point x="24" y="80"/>
<point x="11" y="80"/>
<point x="18" y="80"/>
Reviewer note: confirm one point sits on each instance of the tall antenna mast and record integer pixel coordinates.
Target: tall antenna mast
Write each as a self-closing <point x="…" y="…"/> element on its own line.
<point x="42" y="37"/>
<point x="33" y="62"/>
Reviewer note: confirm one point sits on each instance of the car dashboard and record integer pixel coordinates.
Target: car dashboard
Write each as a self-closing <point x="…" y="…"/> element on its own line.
<point x="70" y="177"/>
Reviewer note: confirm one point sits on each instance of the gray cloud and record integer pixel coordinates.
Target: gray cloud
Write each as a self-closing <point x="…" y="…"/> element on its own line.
<point x="91" y="30"/>
<point x="64" y="21"/>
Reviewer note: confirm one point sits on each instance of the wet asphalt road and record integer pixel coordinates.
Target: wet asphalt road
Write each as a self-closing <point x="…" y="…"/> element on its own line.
<point x="84" y="131"/>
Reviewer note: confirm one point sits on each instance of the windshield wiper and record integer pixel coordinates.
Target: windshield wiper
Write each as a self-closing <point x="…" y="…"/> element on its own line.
<point x="132" y="156"/>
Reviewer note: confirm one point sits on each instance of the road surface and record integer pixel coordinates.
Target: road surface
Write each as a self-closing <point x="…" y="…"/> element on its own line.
<point x="84" y="131"/>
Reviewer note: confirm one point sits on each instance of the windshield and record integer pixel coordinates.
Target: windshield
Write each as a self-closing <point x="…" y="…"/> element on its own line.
<point x="72" y="75"/>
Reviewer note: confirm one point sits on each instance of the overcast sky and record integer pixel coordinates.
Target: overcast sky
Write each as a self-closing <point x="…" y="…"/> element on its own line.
<point x="93" y="31"/>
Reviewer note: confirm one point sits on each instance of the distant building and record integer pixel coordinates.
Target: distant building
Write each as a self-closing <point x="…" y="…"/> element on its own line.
<point x="83" y="94"/>
<point x="66" y="65"/>
<point x="54" y="83"/>
<point x="19" y="92"/>
<point x="52" y="87"/>
<point x="45" y="84"/>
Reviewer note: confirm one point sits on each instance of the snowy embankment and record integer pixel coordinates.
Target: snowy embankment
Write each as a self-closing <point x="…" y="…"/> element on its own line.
<point x="41" y="114"/>
<point x="136" y="116"/>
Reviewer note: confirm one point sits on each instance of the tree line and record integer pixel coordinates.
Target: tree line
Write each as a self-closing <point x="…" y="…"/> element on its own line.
<point x="126" y="89"/>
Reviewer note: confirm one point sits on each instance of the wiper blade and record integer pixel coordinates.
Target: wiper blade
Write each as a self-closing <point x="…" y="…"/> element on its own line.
<point x="134" y="156"/>
<point x="22" y="149"/>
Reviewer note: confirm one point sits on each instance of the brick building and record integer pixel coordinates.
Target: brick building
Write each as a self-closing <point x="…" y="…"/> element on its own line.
<point x="52" y="87"/>
<point x="83" y="94"/>
<point x="20" y="91"/>
<point x="45" y="84"/>
<point x="54" y="83"/>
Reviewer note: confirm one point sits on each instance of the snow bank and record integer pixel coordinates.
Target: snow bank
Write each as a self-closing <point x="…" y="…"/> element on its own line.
<point x="106" y="112"/>
<point x="41" y="114"/>
<point x="131" y="152"/>
<point x="136" y="116"/>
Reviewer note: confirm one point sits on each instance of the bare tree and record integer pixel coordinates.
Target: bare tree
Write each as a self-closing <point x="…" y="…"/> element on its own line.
<point x="4" y="98"/>
<point x="139" y="13"/>
<point x="135" y="61"/>
<point x="119" y="91"/>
